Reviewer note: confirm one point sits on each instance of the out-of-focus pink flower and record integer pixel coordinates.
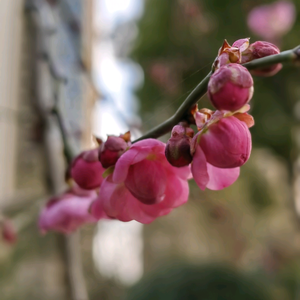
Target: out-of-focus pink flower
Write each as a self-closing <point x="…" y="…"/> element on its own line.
<point x="221" y="146"/>
<point x="86" y="170"/>
<point x="272" y="21"/>
<point x="178" y="146"/>
<point x="9" y="233"/>
<point x="66" y="212"/>
<point x="163" y="75"/>
<point x="113" y="148"/>
<point x="230" y="87"/>
<point x="143" y="185"/>
<point x="261" y="49"/>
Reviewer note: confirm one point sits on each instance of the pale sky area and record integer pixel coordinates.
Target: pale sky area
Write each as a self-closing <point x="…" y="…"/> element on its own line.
<point x="118" y="246"/>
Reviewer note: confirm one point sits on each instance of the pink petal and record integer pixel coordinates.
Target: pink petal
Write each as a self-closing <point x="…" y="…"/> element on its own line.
<point x="130" y="157"/>
<point x="183" y="172"/>
<point x="177" y="192"/>
<point x="221" y="178"/>
<point x="109" y="200"/>
<point x="135" y="210"/>
<point x="149" y="143"/>
<point x="199" y="168"/>
<point x="66" y="214"/>
<point x="147" y="181"/>
<point x="117" y="202"/>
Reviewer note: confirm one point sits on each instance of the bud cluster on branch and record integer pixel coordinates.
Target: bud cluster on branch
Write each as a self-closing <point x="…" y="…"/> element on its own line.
<point x="146" y="179"/>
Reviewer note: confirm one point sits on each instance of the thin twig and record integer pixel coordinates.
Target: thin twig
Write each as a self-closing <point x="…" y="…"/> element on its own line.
<point x="292" y="55"/>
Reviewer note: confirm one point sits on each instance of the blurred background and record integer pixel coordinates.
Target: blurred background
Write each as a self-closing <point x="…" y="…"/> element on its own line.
<point x="117" y="65"/>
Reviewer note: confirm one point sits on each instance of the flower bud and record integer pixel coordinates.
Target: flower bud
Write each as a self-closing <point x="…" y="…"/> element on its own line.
<point x="230" y="87"/>
<point x="261" y="49"/>
<point x="227" y="143"/>
<point x="178" y="147"/>
<point x="86" y="170"/>
<point x="113" y="148"/>
<point x="9" y="233"/>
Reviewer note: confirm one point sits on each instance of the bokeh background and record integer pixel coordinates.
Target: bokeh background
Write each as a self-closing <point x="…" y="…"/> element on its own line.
<point x="114" y="65"/>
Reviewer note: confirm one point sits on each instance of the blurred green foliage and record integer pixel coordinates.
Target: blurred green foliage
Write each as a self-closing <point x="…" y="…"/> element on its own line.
<point x="192" y="282"/>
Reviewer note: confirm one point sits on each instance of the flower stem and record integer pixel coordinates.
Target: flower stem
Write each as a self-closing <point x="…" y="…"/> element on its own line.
<point x="68" y="153"/>
<point x="292" y="55"/>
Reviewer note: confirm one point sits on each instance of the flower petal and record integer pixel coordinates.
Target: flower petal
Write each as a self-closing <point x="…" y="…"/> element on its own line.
<point x="199" y="168"/>
<point x="110" y="199"/>
<point x="130" y="157"/>
<point x="221" y="178"/>
<point x="149" y="143"/>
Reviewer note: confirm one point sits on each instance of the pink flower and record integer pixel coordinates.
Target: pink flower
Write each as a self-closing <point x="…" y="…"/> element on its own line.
<point x="261" y="49"/>
<point x="9" y="233"/>
<point x="86" y="170"/>
<point x="230" y="87"/>
<point x="219" y="149"/>
<point x="66" y="212"/>
<point x="272" y="21"/>
<point x="143" y="185"/>
<point x="113" y="148"/>
<point x="178" y="146"/>
<point x="227" y="143"/>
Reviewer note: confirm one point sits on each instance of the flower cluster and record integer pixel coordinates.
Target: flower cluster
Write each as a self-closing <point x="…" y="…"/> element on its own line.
<point x="145" y="180"/>
<point x="242" y="51"/>
<point x="222" y="143"/>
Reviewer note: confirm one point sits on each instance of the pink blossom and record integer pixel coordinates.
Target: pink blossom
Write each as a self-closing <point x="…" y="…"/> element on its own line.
<point x="113" y="148"/>
<point x="66" y="212"/>
<point x="86" y="170"/>
<point x="9" y="233"/>
<point x="222" y="145"/>
<point x="272" y="21"/>
<point x="178" y="146"/>
<point x="143" y="185"/>
<point x="230" y="87"/>
<point x="208" y="176"/>
<point x="261" y="49"/>
<point x="227" y="143"/>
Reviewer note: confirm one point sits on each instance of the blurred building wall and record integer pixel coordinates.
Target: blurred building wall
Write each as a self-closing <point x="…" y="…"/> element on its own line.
<point x="36" y="267"/>
<point x="11" y="31"/>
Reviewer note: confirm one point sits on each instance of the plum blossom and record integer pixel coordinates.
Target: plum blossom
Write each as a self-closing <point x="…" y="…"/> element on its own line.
<point x="113" y="148"/>
<point x="230" y="87"/>
<point x="86" y="170"/>
<point x="272" y="21"/>
<point x="222" y="145"/>
<point x="142" y="185"/>
<point x="178" y="148"/>
<point x="9" y="233"/>
<point x="66" y="212"/>
<point x="261" y="49"/>
<point x="242" y="52"/>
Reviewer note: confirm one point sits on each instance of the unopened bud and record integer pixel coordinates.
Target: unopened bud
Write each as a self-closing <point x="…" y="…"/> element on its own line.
<point x="261" y="49"/>
<point x="227" y="143"/>
<point x="230" y="87"/>
<point x="9" y="233"/>
<point x="113" y="148"/>
<point x="178" y="147"/>
<point x="86" y="170"/>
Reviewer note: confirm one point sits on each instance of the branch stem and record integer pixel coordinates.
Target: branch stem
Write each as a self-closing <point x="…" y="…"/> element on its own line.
<point x="200" y="90"/>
